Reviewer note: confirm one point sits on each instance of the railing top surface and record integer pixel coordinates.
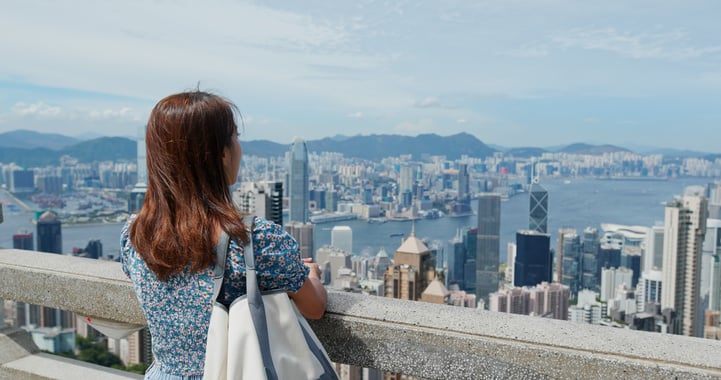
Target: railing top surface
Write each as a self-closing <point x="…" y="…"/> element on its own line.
<point x="99" y="288"/>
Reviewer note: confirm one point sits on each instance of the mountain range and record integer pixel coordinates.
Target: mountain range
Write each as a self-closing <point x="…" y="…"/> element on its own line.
<point x="32" y="149"/>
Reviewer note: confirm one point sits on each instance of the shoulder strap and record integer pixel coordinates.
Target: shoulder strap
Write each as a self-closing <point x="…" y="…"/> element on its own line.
<point x="221" y="251"/>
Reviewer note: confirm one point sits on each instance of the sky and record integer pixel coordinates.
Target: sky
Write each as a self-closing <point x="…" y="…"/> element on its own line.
<point x="512" y="73"/>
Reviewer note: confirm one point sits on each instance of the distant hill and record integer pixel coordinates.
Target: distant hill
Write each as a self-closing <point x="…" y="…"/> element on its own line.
<point x="375" y="147"/>
<point x="581" y="148"/>
<point x="26" y="139"/>
<point x="526" y="152"/>
<point x="100" y="149"/>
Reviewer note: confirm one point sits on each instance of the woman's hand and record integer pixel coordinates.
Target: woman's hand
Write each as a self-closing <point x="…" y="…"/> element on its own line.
<point x="311" y="298"/>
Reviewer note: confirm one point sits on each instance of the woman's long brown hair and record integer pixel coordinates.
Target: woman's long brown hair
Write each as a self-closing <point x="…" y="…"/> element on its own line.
<point x="188" y="194"/>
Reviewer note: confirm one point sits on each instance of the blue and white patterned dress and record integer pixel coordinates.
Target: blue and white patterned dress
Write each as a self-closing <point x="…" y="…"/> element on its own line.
<point x="178" y="308"/>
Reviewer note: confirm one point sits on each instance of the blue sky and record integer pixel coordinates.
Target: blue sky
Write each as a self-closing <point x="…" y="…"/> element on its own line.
<point x="512" y="73"/>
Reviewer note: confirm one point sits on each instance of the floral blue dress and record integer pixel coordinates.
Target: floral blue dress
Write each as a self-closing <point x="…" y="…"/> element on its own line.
<point x="178" y="309"/>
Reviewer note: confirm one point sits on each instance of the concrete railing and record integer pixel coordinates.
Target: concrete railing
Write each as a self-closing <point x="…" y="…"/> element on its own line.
<point x="414" y="338"/>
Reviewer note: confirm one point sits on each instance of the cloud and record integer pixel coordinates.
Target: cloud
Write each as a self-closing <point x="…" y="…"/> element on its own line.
<point x="356" y="115"/>
<point x="670" y="45"/>
<point x="429" y="102"/>
<point x="40" y="110"/>
<point x="527" y="51"/>
<point x="461" y="121"/>
<point x="416" y="127"/>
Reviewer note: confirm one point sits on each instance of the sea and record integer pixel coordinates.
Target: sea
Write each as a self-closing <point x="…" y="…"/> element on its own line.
<point x="573" y="203"/>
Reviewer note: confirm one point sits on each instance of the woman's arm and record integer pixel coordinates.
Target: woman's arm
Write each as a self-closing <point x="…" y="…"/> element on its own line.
<point x="311" y="298"/>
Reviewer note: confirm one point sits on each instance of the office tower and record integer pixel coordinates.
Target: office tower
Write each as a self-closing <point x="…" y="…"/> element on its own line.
<point x="23" y="240"/>
<point x="612" y="278"/>
<point x="407" y="178"/>
<point x="684" y="231"/>
<point x="262" y="199"/>
<point x="380" y="264"/>
<point x="533" y="263"/>
<point x="569" y="253"/>
<point x="538" y="210"/>
<point x="648" y="289"/>
<point x="464" y="188"/>
<point x="332" y="260"/>
<point x="49" y="233"/>
<point x="589" y="252"/>
<point x="137" y="194"/>
<point x="488" y="245"/>
<point x="510" y="263"/>
<point x="22" y="181"/>
<point x="298" y="190"/>
<point x="609" y="256"/>
<point x="632" y="260"/>
<point x="456" y="259"/>
<point x="412" y="271"/>
<point x="653" y="254"/>
<point x="303" y="234"/>
<point x="342" y="237"/>
<point x="714" y="296"/>
<point x="710" y="280"/>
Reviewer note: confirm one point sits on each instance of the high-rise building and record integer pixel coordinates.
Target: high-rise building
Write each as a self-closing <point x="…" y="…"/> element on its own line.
<point x="407" y="178"/>
<point x="533" y="263"/>
<point x="589" y="252"/>
<point x="710" y="276"/>
<point x="653" y="254"/>
<point x="341" y="237"/>
<point x="23" y="240"/>
<point x="649" y="289"/>
<point x="488" y="245"/>
<point x="331" y="260"/>
<point x="612" y="278"/>
<point x="568" y="259"/>
<point x="550" y="300"/>
<point x="303" y="234"/>
<point x="380" y="264"/>
<point x="137" y="194"/>
<point x="298" y="190"/>
<point x="49" y="233"/>
<point x="684" y="231"/>
<point x="412" y="271"/>
<point x="264" y="199"/>
<point x="464" y="185"/>
<point x="538" y="210"/>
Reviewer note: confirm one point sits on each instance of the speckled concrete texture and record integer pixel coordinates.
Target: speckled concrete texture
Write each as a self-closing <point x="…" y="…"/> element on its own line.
<point x="88" y="287"/>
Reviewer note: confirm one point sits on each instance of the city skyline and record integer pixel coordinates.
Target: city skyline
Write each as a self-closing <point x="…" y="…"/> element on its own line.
<point x="512" y="74"/>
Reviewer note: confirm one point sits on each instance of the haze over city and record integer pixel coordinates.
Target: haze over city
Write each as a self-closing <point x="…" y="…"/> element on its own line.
<point x="541" y="73"/>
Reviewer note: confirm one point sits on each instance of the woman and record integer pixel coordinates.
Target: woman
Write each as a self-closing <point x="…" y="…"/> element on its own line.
<point x="193" y="156"/>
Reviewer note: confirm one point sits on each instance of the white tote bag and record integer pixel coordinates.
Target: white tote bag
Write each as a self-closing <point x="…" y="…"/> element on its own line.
<point x="261" y="336"/>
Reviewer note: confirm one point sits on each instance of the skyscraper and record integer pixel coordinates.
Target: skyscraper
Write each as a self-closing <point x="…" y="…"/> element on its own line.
<point x="298" y="183"/>
<point x="303" y="234"/>
<point x="412" y="271"/>
<point x="49" y="233"/>
<point x="341" y="237"/>
<point x="538" y="210"/>
<point x="569" y="254"/>
<point x="684" y="231"/>
<point x="533" y="263"/>
<point x="464" y="189"/>
<point x="137" y="194"/>
<point x="488" y="245"/>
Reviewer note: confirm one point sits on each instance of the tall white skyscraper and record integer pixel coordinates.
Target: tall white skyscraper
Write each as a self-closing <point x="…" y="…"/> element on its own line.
<point x="684" y="231"/>
<point x="341" y="237"/>
<point x="298" y="184"/>
<point x="653" y="254"/>
<point x="710" y="274"/>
